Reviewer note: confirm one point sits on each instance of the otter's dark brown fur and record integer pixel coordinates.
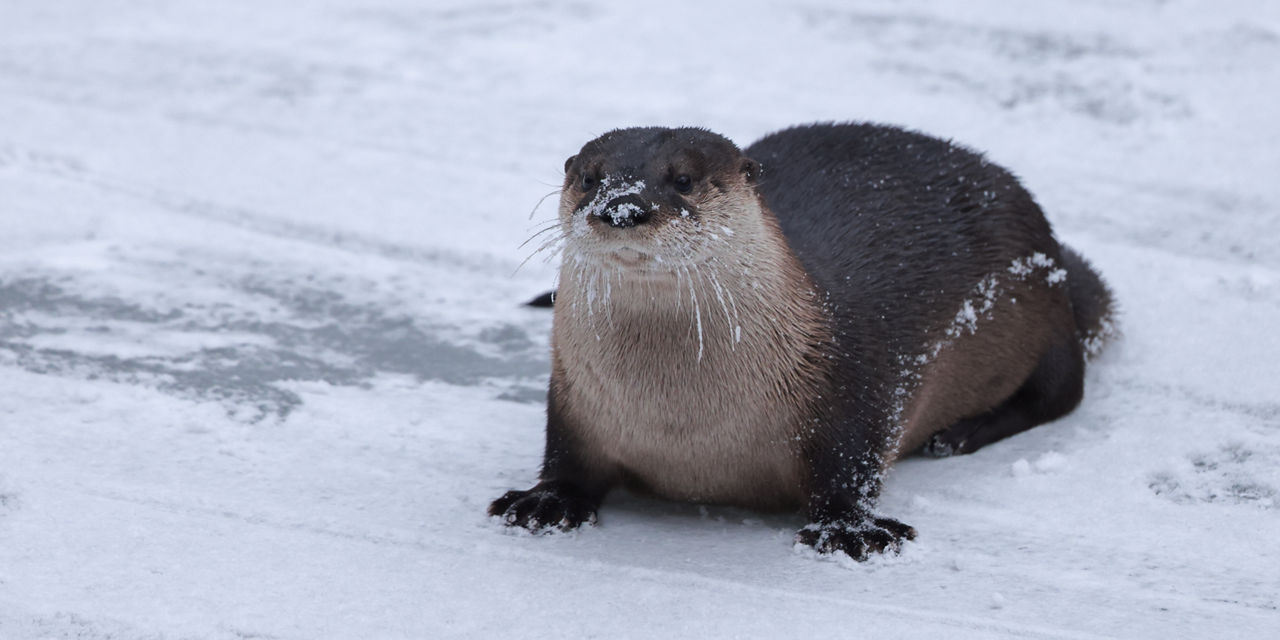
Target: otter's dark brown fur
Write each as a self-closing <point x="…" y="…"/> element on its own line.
<point x="773" y="328"/>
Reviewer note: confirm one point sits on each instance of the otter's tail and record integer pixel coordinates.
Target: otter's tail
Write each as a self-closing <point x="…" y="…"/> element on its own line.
<point x="1091" y="301"/>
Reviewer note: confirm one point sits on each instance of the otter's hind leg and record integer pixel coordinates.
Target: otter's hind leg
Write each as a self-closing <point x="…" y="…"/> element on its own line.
<point x="1052" y="390"/>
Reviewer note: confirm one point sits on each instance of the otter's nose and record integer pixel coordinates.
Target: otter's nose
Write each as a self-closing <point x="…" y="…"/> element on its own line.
<point x="625" y="211"/>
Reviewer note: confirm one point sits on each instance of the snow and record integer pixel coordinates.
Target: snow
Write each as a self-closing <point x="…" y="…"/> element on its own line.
<point x="606" y="193"/>
<point x="263" y="366"/>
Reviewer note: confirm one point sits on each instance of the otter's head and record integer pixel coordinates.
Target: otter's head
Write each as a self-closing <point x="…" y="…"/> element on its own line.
<point x="655" y="199"/>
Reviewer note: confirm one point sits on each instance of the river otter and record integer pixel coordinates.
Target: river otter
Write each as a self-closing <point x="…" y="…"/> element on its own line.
<point x="772" y="328"/>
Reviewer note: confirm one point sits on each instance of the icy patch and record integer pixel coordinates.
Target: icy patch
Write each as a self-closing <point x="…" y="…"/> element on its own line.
<point x="133" y="340"/>
<point x="1232" y="474"/>
<point x="247" y="350"/>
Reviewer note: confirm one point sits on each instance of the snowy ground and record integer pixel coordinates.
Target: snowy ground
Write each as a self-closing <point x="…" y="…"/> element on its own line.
<point x="262" y="363"/>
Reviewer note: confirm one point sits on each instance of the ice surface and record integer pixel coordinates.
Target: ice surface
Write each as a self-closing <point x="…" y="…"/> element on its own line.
<point x="263" y="364"/>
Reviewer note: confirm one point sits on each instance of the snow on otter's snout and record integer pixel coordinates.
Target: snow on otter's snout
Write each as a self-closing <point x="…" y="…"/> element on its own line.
<point x="607" y="193"/>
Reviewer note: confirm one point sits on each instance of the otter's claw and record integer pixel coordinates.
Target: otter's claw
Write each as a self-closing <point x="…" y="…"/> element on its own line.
<point x="858" y="540"/>
<point x="544" y="508"/>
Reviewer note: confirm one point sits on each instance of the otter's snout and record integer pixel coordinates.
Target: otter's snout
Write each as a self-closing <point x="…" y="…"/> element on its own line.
<point x="625" y="211"/>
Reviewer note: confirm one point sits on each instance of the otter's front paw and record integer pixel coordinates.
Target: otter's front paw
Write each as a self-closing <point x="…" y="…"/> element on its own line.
<point x="858" y="539"/>
<point x="544" y="508"/>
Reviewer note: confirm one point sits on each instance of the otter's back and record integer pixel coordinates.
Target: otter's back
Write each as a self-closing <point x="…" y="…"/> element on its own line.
<point x="896" y="224"/>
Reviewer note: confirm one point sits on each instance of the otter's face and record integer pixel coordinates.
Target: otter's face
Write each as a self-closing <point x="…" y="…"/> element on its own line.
<point x="653" y="199"/>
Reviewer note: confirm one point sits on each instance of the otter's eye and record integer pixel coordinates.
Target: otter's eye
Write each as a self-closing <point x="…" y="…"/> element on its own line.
<point x="684" y="184"/>
<point x="587" y="183"/>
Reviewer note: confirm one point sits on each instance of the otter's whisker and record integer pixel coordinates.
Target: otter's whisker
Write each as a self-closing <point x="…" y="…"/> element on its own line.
<point x="697" y="310"/>
<point x="552" y="244"/>
<point x="728" y="290"/>
<point x="729" y="320"/>
<point x="679" y="286"/>
<point x="542" y="200"/>
<point x="549" y="227"/>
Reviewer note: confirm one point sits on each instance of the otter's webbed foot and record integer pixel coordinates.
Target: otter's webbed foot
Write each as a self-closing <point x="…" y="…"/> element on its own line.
<point x="858" y="539"/>
<point x="547" y="507"/>
<point x="940" y="445"/>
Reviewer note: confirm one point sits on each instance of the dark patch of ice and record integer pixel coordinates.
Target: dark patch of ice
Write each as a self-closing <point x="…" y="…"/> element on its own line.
<point x="323" y="337"/>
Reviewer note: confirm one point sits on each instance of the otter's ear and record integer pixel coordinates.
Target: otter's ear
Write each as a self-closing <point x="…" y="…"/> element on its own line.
<point x="568" y="163"/>
<point x="750" y="169"/>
